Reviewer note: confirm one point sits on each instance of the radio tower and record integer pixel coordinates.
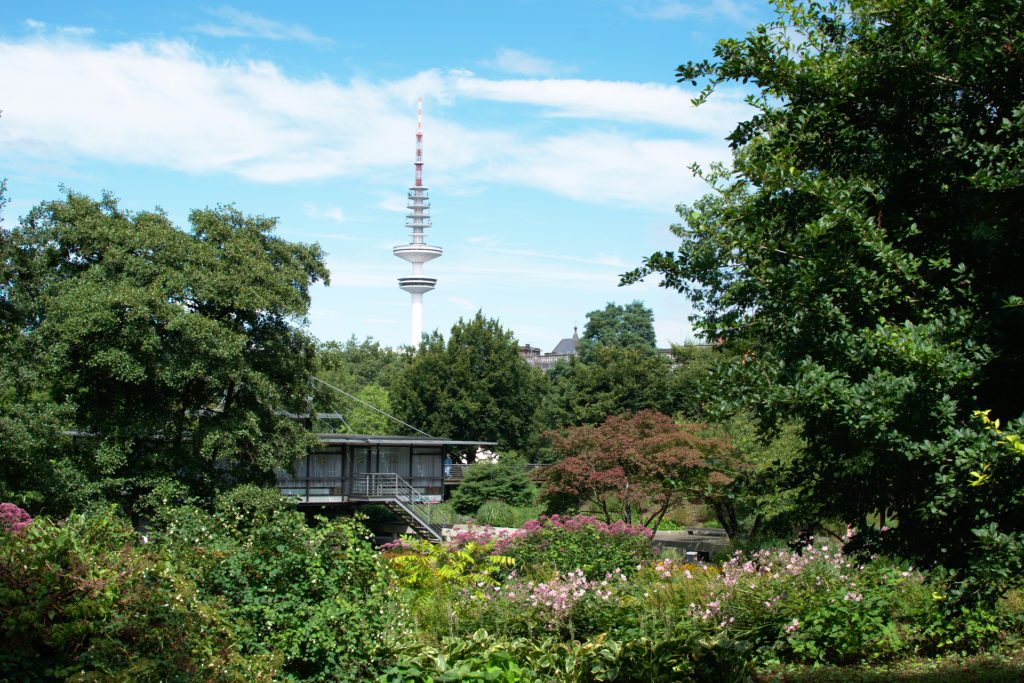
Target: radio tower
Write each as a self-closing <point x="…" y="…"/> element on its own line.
<point x="417" y="252"/>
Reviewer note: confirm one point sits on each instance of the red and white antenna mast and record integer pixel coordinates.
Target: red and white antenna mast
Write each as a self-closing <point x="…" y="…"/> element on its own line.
<point x="419" y="144"/>
<point x="417" y="252"/>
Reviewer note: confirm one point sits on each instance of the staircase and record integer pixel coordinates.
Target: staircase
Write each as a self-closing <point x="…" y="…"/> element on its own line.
<point x="401" y="498"/>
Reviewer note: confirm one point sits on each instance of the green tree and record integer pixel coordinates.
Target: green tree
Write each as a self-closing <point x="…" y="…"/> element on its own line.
<point x="611" y="381"/>
<point x="354" y="365"/>
<point x="626" y="326"/>
<point x="174" y="351"/>
<point x="484" y="481"/>
<point x="475" y="386"/>
<point x="863" y="252"/>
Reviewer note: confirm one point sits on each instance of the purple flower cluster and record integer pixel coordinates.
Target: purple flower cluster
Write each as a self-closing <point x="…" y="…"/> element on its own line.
<point x="13" y="518"/>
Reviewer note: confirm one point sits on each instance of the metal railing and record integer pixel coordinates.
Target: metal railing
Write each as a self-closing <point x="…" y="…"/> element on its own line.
<point x="304" y="488"/>
<point x="457" y="470"/>
<point x="390" y="486"/>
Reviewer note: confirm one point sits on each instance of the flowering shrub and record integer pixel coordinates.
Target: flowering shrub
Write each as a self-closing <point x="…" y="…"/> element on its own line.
<point x="13" y="518"/>
<point x="820" y="605"/>
<point x="564" y="544"/>
<point x="812" y="605"/>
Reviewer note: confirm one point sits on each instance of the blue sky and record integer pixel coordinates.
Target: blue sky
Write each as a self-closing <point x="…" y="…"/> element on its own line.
<point x="556" y="142"/>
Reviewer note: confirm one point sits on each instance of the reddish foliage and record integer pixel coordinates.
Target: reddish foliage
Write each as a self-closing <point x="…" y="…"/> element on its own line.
<point x="641" y="462"/>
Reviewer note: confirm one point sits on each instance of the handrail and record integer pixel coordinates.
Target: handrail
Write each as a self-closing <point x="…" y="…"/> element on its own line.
<point x="457" y="470"/>
<point x="390" y="485"/>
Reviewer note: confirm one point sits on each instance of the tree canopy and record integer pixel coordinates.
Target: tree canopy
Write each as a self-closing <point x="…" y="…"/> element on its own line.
<point x="171" y="351"/>
<point x="626" y="326"/>
<point x="862" y="253"/>
<point x="641" y="462"/>
<point x="474" y="386"/>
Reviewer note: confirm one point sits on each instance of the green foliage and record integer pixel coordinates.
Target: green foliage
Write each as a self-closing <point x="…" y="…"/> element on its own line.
<point x="475" y="386"/>
<point x="553" y="544"/>
<point x="318" y="597"/>
<point x="488" y="481"/>
<point x="428" y="568"/>
<point x="758" y="501"/>
<point x="862" y="255"/>
<point x="82" y="600"/>
<point x="174" y="350"/>
<point x="354" y="364"/>
<point x="484" y="657"/>
<point x="623" y="327"/>
<point x="365" y="370"/>
<point x="611" y="381"/>
<point x="498" y="513"/>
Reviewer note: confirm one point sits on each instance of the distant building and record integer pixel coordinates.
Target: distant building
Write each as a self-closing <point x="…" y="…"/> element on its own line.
<point x="564" y="350"/>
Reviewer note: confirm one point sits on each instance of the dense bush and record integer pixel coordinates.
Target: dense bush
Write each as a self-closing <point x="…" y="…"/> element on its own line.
<point x="482" y="656"/>
<point x="485" y="481"/>
<point x="82" y="599"/>
<point x="315" y="596"/>
<point x="501" y="514"/>
<point x="552" y="544"/>
<point x="658" y="619"/>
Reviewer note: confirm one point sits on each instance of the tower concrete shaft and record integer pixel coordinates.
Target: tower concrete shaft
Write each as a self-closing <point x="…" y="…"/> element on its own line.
<point x="417" y="252"/>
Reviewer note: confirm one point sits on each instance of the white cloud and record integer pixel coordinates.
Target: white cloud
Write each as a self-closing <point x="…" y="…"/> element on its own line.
<point x="524" y="64"/>
<point x="165" y="104"/>
<point x="241" y="24"/>
<point x="613" y="100"/>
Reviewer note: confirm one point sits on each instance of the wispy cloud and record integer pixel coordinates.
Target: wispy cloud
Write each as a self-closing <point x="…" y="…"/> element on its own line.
<point x="612" y="100"/>
<point x="675" y="9"/>
<point x="525" y="64"/>
<point x="333" y="213"/>
<point x="70" y="31"/>
<point x="464" y="304"/>
<point x="601" y="260"/>
<point x="240" y="24"/>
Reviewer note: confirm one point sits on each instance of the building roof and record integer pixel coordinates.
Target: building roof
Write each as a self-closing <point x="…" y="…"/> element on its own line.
<point x="567" y="347"/>
<point x="378" y="440"/>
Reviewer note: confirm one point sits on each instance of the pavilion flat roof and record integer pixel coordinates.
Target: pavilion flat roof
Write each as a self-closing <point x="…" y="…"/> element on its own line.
<point x="379" y="440"/>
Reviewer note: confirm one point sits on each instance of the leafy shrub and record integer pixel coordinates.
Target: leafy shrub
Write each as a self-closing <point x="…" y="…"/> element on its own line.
<point x="316" y="596"/>
<point x="486" y="481"/>
<point x="427" y="567"/>
<point x="496" y="513"/>
<point x="482" y="656"/>
<point x="82" y="600"/>
<point x="567" y="543"/>
<point x="500" y="514"/>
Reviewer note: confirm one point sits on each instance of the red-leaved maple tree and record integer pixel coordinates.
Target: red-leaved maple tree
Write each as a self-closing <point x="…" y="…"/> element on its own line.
<point x="642" y="463"/>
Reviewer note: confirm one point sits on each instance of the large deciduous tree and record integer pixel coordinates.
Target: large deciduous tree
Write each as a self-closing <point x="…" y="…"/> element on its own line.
<point x="173" y="352"/>
<point x="641" y="463"/>
<point x="629" y="326"/>
<point x="864" y="251"/>
<point x="474" y="386"/>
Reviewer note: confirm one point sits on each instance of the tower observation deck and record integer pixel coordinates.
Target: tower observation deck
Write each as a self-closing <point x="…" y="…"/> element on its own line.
<point x="417" y="252"/>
